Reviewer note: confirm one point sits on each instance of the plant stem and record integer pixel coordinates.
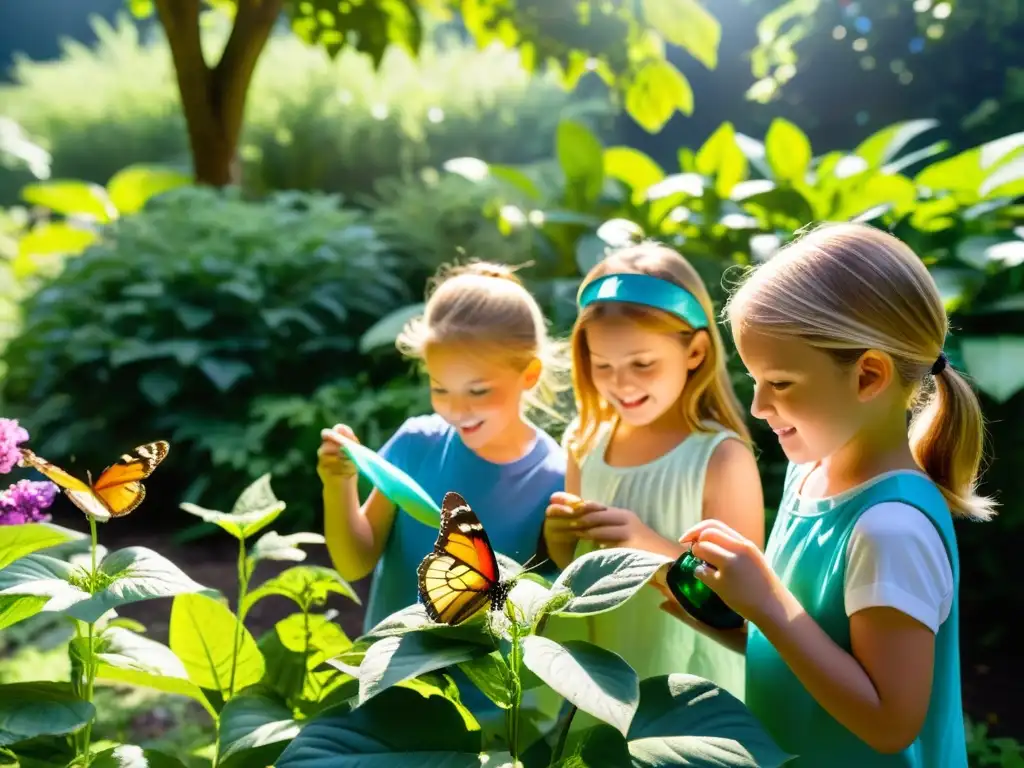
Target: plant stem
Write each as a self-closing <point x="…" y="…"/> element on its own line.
<point x="563" y="736"/>
<point x="305" y="652"/>
<point x="90" y="658"/>
<point x="515" y="697"/>
<point x="243" y="585"/>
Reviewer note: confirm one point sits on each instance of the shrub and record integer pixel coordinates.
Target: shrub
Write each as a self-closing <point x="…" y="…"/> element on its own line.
<point x="311" y="123"/>
<point x="189" y="311"/>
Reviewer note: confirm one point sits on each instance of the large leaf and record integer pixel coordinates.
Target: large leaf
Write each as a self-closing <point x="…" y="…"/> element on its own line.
<point x="128" y="657"/>
<point x="581" y="158"/>
<point x="634" y="169"/>
<point x="253" y="721"/>
<point x="15" y="608"/>
<point x="883" y="146"/>
<point x="132" y="756"/>
<point x="20" y="540"/>
<point x="202" y="635"/>
<point x="274" y="546"/>
<point x="995" y="363"/>
<point x="788" y="150"/>
<point x="35" y="709"/>
<point x="597" y="681"/>
<point x="1005" y="181"/>
<point x="490" y="674"/>
<point x="605" y="578"/>
<point x="393" y="660"/>
<point x="255" y="509"/>
<point x="294" y="648"/>
<point x="656" y="91"/>
<point x="385" y="331"/>
<point x="372" y="737"/>
<point x="307" y="585"/>
<point x="71" y="198"/>
<point x="687" y="24"/>
<point x="721" y="158"/>
<point x="132" y="187"/>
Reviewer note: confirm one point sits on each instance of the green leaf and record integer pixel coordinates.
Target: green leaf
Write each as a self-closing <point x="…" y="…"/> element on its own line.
<point x="602" y="579"/>
<point x="274" y="546"/>
<point x="255" y="509"/>
<point x="367" y="737"/>
<point x="996" y="363"/>
<point x="35" y="709"/>
<point x="71" y="198"/>
<point x="132" y="187"/>
<point x="20" y="540"/>
<point x="1005" y="181"/>
<point x="687" y="720"/>
<point x="385" y="331"/>
<point x="15" y="608"/>
<point x="788" y="150"/>
<point x="990" y="252"/>
<point x="687" y="24"/>
<point x="131" y="756"/>
<point x="202" y="634"/>
<point x="127" y="657"/>
<point x="224" y="374"/>
<point x="581" y="157"/>
<point x="883" y="146"/>
<point x="656" y="91"/>
<point x="634" y="169"/>
<point x="721" y="158"/>
<point x="393" y="660"/>
<point x="490" y="674"/>
<point x="306" y="585"/>
<point x="252" y="721"/>
<point x="140" y="9"/>
<point x="55" y="239"/>
<point x="290" y="664"/>
<point x="597" y="681"/>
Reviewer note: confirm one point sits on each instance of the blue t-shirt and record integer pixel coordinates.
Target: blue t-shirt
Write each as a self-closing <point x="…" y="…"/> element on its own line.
<point x="510" y="500"/>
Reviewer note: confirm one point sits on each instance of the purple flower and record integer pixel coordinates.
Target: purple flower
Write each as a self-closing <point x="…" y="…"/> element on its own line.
<point x="25" y="501"/>
<point x="11" y="434"/>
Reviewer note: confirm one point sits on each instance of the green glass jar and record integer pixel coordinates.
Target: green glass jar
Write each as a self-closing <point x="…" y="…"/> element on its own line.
<point x="697" y="598"/>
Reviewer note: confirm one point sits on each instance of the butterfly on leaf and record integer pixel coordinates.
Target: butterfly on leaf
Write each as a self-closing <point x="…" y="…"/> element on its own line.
<point x="460" y="576"/>
<point x="117" y="491"/>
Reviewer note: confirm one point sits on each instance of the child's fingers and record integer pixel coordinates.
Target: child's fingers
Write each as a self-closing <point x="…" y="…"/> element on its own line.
<point x="702" y="527"/>
<point x="714" y="555"/>
<point x="565" y="498"/>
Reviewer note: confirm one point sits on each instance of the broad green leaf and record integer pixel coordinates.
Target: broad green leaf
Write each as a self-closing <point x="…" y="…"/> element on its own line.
<point x="883" y="146"/>
<point x="413" y="618"/>
<point x="990" y="252"/>
<point x="132" y="187"/>
<point x="367" y="737"/>
<point x="222" y="373"/>
<point x="602" y="579"/>
<point x="597" y="681"/>
<point x="490" y="674"/>
<point x="656" y="91"/>
<point x="71" y="198"/>
<point x="1005" y="181"/>
<point x="634" y="169"/>
<point x="590" y="251"/>
<point x="788" y="150"/>
<point x="687" y="720"/>
<point x="274" y="546"/>
<point x="128" y="657"/>
<point x="134" y="574"/>
<point x="721" y="158"/>
<point x="15" y="608"/>
<point x="385" y="331"/>
<point x="35" y="709"/>
<point x="255" y="509"/>
<point x="995" y="151"/>
<point x="581" y="157"/>
<point x="934" y="215"/>
<point x="687" y="24"/>
<point x="961" y="175"/>
<point x="850" y="200"/>
<point x="202" y="634"/>
<point x="44" y="578"/>
<point x="20" y="540"/>
<point x="393" y="660"/>
<point x="995" y="363"/>
<point x="294" y="648"/>
<point x="55" y="238"/>
<point x="252" y="721"/>
<point x="132" y="756"/>
<point x="307" y="585"/>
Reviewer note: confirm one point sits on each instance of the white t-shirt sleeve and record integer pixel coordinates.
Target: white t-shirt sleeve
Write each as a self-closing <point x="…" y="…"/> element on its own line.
<point x="896" y="559"/>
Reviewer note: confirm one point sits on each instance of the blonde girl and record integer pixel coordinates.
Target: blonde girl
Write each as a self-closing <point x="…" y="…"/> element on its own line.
<point x="484" y="344"/>
<point x="852" y="635"/>
<point x="659" y="444"/>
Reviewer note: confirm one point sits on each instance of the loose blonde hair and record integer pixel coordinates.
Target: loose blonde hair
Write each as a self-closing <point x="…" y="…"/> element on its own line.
<point x="847" y="288"/>
<point x="708" y="394"/>
<point x="486" y="305"/>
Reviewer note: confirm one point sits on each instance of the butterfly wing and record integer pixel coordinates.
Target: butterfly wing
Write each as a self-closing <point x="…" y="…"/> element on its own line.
<point x="120" y="487"/>
<point x="461" y="575"/>
<point x="81" y="495"/>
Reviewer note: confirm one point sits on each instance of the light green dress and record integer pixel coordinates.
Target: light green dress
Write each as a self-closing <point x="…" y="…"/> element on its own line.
<point x="667" y="494"/>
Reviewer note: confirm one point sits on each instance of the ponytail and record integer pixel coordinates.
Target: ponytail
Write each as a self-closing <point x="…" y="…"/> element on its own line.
<point x="947" y="440"/>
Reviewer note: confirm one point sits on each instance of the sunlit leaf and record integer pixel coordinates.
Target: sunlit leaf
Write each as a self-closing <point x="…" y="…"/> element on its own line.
<point x="132" y="187"/>
<point x="71" y="198"/>
<point x="687" y="24"/>
<point x="35" y="709"/>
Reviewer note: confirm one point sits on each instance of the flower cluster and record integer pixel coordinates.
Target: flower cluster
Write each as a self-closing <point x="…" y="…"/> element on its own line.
<point x="25" y="500"/>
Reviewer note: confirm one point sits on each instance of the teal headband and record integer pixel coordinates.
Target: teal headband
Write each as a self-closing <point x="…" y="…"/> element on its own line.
<point x="649" y="291"/>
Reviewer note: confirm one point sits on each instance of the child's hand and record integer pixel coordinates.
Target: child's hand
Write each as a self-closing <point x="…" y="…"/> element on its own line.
<point x="615" y="527"/>
<point x="735" y="568"/>
<point x="333" y="463"/>
<point x="562" y="518"/>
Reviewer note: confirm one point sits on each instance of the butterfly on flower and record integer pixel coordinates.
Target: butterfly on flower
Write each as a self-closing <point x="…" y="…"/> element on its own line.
<point x="460" y="576"/>
<point x="117" y="491"/>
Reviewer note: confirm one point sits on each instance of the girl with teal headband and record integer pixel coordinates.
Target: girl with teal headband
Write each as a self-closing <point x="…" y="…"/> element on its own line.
<point x="658" y="445"/>
<point x="852" y="636"/>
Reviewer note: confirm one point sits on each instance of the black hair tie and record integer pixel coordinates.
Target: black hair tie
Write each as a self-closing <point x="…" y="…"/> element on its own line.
<point x="940" y="365"/>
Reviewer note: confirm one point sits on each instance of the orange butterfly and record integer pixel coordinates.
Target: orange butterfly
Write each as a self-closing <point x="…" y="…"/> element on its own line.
<point x="117" y="491"/>
<point x="461" y="574"/>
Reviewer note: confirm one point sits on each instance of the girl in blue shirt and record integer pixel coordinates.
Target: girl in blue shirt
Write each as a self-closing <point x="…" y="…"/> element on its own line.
<point x="852" y="610"/>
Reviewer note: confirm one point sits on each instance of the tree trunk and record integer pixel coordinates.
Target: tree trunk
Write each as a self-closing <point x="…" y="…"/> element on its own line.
<point x="213" y="98"/>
